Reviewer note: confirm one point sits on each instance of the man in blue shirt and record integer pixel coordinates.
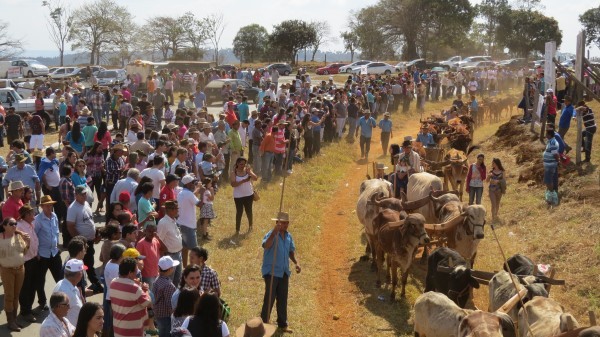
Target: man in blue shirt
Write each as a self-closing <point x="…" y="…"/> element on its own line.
<point x="46" y="229"/>
<point x="564" y="122"/>
<point x="365" y="124"/>
<point x="386" y="132"/>
<point x="25" y="173"/>
<point x="199" y="98"/>
<point x="425" y="138"/>
<point x="279" y="248"/>
<point x="243" y="109"/>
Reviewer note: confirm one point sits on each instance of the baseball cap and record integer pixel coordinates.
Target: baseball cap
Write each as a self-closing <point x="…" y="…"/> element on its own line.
<point x="188" y="179"/>
<point x="80" y="189"/>
<point x="124" y="197"/>
<point x="167" y="262"/>
<point x="132" y="252"/>
<point x="550" y="91"/>
<point x="75" y="265"/>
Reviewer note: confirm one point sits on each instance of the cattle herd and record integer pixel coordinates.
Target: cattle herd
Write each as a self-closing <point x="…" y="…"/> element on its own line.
<point x="428" y="215"/>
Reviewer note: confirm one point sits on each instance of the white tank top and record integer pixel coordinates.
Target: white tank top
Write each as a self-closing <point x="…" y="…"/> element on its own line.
<point x="243" y="190"/>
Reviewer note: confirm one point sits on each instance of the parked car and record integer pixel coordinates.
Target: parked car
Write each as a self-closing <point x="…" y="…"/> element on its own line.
<point x="30" y="68"/>
<point x="348" y="68"/>
<point x="110" y="77"/>
<point x="25" y="89"/>
<point x="330" y="69"/>
<point x="471" y="60"/>
<point x="513" y="63"/>
<point x="63" y="72"/>
<point x="375" y="68"/>
<point x="569" y="63"/>
<point x="418" y="63"/>
<point x="451" y="62"/>
<point x="480" y="65"/>
<point x="226" y="67"/>
<point x="9" y="97"/>
<point x="213" y="90"/>
<point x="282" y="68"/>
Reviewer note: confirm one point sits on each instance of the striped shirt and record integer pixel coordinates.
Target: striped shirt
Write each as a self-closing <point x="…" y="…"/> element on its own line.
<point x="280" y="142"/>
<point x="550" y="153"/>
<point x="129" y="304"/>
<point x="589" y="123"/>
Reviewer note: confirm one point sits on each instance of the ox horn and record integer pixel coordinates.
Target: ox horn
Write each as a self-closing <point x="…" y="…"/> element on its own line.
<point x="376" y="198"/>
<point x="439" y="193"/>
<point x="412" y="205"/>
<point x="444" y="226"/>
<point x="506" y="307"/>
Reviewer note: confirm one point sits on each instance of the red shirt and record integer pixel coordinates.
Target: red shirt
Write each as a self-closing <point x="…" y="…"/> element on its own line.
<point x="166" y="194"/>
<point x="552" y="106"/>
<point x="11" y="208"/>
<point x="151" y="250"/>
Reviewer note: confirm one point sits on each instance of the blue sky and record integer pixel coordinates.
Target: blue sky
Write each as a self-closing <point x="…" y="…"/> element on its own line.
<point x="27" y="18"/>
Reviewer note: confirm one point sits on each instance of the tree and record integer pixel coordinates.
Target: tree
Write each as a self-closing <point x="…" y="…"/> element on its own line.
<point x="215" y="28"/>
<point x="322" y="30"/>
<point x="291" y="36"/>
<point x="196" y="33"/>
<point x="99" y="24"/>
<point x="249" y="42"/>
<point x="449" y="22"/>
<point x="524" y="31"/>
<point x="350" y="43"/>
<point x="9" y="46"/>
<point x="60" y="22"/>
<point x="372" y="42"/>
<point x="493" y="12"/>
<point x="165" y="34"/>
<point x="590" y="20"/>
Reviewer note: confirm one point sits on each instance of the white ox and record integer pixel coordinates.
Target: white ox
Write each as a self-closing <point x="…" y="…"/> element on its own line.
<point x="420" y="186"/>
<point x="435" y="315"/>
<point x="545" y="318"/>
<point x="367" y="211"/>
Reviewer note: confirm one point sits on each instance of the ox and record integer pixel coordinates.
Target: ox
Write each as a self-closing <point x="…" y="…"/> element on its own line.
<point x="399" y="240"/>
<point x="419" y="186"/>
<point x="520" y="265"/>
<point x="458" y="283"/>
<point x="461" y="224"/>
<point x="590" y="332"/>
<point x="366" y="211"/>
<point x="456" y="169"/>
<point x="544" y="317"/>
<point x="501" y="288"/>
<point x="435" y="315"/>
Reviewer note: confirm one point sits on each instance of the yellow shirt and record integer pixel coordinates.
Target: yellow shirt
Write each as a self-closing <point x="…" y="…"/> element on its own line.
<point x="12" y="250"/>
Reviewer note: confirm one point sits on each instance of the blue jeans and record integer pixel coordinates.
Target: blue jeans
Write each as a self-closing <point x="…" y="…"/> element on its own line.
<point x="164" y="326"/>
<point x="98" y="116"/>
<point x="588" y="137"/>
<point x="475" y="195"/>
<point x="267" y="166"/>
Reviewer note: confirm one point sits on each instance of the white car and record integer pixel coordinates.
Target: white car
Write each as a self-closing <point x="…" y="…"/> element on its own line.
<point x="63" y="72"/>
<point x="31" y="68"/>
<point x="9" y="97"/>
<point x="472" y="61"/>
<point x="110" y="77"/>
<point x="348" y="68"/>
<point x="375" y="68"/>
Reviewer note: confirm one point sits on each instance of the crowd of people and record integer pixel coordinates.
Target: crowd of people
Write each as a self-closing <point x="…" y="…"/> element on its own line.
<point x="152" y="169"/>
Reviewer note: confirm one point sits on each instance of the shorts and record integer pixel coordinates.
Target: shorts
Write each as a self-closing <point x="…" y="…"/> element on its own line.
<point x="36" y="142"/>
<point x="549" y="174"/>
<point x="188" y="237"/>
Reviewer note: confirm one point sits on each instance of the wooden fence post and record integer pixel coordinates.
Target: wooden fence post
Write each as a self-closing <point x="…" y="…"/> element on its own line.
<point x="579" y="68"/>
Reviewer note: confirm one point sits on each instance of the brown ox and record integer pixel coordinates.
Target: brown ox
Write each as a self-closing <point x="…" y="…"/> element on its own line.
<point x="399" y="240"/>
<point x="461" y="224"/>
<point x="456" y="169"/>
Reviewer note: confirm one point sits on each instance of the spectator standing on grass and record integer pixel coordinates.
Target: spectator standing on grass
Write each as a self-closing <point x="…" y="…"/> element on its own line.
<point x="551" y="104"/>
<point x="385" y="125"/>
<point x="209" y="280"/>
<point x="184" y="306"/>
<point x="170" y="235"/>
<point x="365" y="125"/>
<point x="206" y="320"/>
<point x="497" y="186"/>
<point x="243" y="192"/>
<point x="163" y="290"/>
<point x="564" y="123"/>
<point x="276" y="269"/>
<point x="475" y="178"/>
<point x="32" y="277"/>
<point x="188" y="202"/>
<point x="589" y="129"/>
<point x="551" y="161"/>
<point x="57" y="324"/>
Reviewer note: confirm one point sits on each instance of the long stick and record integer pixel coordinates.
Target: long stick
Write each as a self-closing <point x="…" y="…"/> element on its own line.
<point x="269" y="308"/>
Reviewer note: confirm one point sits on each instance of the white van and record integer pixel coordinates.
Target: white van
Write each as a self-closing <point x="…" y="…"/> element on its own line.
<point x="26" y="68"/>
<point x="7" y="70"/>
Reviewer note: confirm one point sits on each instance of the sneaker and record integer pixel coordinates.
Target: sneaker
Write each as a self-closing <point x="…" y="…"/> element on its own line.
<point x="290" y="171"/>
<point x="285" y="329"/>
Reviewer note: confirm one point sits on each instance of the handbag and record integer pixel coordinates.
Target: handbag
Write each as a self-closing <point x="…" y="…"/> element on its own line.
<point x="255" y="196"/>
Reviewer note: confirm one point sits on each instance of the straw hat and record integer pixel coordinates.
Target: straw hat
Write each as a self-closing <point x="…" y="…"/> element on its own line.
<point x="282" y="216"/>
<point x="20" y="158"/>
<point x="47" y="200"/>
<point x="85" y="111"/>
<point x="38" y="153"/>
<point x="16" y="185"/>
<point x="118" y="147"/>
<point x="381" y="166"/>
<point x="254" y="327"/>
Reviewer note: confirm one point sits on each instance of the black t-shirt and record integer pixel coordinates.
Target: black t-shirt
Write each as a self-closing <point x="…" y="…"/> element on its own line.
<point x="143" y="105"/>
<point x="352" y="110"/>
<point x="13" y="123"/>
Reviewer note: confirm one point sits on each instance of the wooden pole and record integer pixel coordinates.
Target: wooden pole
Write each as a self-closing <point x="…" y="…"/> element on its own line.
<point x="592" y="317"/>
<point x="269" y="308"/>
<point x="579" y="69"/>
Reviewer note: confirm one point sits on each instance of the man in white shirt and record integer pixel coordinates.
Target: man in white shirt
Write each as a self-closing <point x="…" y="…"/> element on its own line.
<point x="271" y="92"/>
<point x="128" y="184"/>
<point x="188" y="201"/>
<point x="73" y="274"/>
<point x="161" y="147"/>
<point x="157" y="175"/>
<point x="57" y="324"/>
<point x="414" y="160"/>
<point x="207" y="135"/>
<point x="169" y="233"/>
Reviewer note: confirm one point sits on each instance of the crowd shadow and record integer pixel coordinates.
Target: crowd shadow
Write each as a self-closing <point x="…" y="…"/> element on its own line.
<point x="232" y="241"/>
<point x="378" y="301"/>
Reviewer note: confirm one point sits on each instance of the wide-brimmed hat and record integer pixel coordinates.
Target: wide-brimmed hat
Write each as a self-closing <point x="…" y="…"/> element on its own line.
<point x="282" y="216"/>
<point x="282" y="122"/>
<point x="381" y="166"/>
<point x="255" y="327"/>
<point x="387" y="114"/>
<point x="38" y="153"/>
<point x="20" y="158"/>
<point x="15" y="185"/>
<point x="47" y="200"/>
<point x="118" y="147"/>
<point x="84" y="112"/>
<point x="408" y="138"/>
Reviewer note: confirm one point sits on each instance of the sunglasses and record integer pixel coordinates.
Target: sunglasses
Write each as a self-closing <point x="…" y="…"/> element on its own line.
<point x="12" y="224"/>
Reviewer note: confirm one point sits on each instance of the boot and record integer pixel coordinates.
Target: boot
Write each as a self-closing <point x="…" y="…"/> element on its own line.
<point x="11" y="319"/>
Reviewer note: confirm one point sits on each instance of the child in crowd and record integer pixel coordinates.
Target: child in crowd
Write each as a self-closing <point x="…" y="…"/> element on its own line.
<point x="163" y="290"/>
<point x="207" y="212"/>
